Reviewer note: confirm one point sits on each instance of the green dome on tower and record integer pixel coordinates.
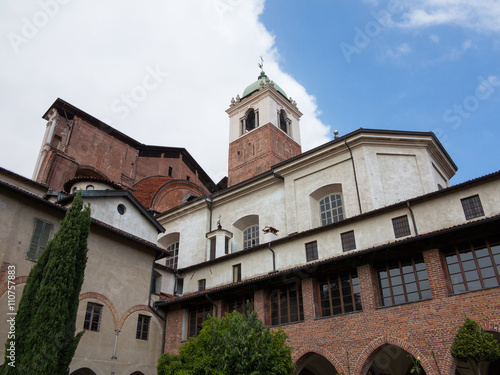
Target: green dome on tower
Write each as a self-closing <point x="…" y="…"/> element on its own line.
<point x="257" y="85"/>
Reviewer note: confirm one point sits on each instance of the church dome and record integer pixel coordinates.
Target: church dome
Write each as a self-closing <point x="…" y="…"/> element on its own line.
<point x="257" y="85"/>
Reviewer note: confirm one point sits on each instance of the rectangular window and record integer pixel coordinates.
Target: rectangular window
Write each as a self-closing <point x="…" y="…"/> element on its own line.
<point x="180" y="286"/>
<point x="92" y="317"/>
<point x="170" y="170"/>
<point x="172" y="260"/>
<point x="213" y="246"/>
<point x="240" y="303"/>
<point x="142" y="332"/>
<point x="41" y="234"/>
<point x="226" y="246"/>
<point x="286" y="305"/>
<point x="348" y="241"/>
<point x="472" y="207"/>
<point x="236" y="273"/>
<point x="474" y="265"/>
<point x="401" y="226"/>
<point x="202" y="284"/>
<point x="404" y="280"/>
<point x="339" y="293"/>
<point x="311" y="251"/>
<point x="197" y="315"/>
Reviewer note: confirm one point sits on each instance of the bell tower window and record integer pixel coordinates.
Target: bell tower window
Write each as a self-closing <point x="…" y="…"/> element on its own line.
<point x="283" y="121"/>
<point x="250" y="121"/>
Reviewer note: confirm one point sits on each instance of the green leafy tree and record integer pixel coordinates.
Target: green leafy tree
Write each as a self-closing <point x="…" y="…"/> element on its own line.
<point x="473" y="345"/>
<point x="237" y="344"/>
<point x="45" y="340"/>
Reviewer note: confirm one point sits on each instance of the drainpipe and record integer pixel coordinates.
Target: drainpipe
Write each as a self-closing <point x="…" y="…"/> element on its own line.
<point x="208" y="201"/>
<point x="355" y="177"/>
<point x="412" y="218"/>
<point x="117" y="331"/>
<point x="274" y="256"/>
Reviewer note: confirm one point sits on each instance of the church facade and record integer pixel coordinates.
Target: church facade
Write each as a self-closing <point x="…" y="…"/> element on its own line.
<point x="360" y="249"/>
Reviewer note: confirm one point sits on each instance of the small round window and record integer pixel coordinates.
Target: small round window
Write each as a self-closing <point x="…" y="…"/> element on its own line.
<point x="121" y="209"/>
<point x="90" y="187"/>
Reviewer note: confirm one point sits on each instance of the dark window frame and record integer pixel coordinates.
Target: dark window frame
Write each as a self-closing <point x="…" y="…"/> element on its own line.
<point x="40" y="237"/>
<point x="465" y="259"/>
<point x="330" y="305"/>
<point x="239" y="303"/>
<point x="397" y="281"/>
<point x="401" y="226"/>
<point x="472" y="207"/>
<point x="202" y="284"/>
<point x="93" y="316"/>
<point x="237" y="273"/>
<point x="196" y="316"/>
<point x="348" y="240"/>
<point x="143" y="325"/>
<point x="311" y="251"/>
<point x="282" y="308"/>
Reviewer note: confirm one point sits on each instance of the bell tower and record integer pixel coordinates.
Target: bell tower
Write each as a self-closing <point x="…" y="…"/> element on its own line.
<point x="263" y="130"/>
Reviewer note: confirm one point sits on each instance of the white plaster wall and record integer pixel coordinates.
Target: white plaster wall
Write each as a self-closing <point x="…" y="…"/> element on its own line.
<point x="430" y="215"/>
<point x="133" y="221"/>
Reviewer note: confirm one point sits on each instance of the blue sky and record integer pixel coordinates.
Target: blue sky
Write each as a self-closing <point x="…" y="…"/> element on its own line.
<point x="367" y="73"/>
<point x="423" y="65"/>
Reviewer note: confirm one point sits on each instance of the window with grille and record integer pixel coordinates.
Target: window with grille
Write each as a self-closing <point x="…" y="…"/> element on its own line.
<point x="472" y="207"/>
<point x="401" y="226"/>
<point x="240" y="303"/>
<point x="92" y="317"/>
<point x="331" y="210"/>
<point x="42" y="230"/>
<point x="197" y="315"/>
<point x="251" y="236"/>
<point x="311" y="251"/>
<point x="142" y="332"/>
<point x="172" y="260"/>
<point x="404" y="280"/>
<point x="286" y="305"/>
<point x="474" y="265"/>
<point x="348" y="241"/>
<point x="339" y="293"/>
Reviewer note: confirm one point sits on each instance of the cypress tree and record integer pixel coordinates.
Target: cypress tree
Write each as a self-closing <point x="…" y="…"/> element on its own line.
<point x="46" y="320"/>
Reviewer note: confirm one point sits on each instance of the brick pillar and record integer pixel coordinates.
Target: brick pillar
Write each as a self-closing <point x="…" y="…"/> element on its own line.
<point x="370" y="295"/>
<point x="308" y="299"/>
<point x="259" y="303"/>
<point x="437" y="275"/>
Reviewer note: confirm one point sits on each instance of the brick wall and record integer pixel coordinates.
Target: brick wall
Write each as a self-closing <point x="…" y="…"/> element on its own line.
<point x="425" y="329"/>
<point x="257" y="151"/>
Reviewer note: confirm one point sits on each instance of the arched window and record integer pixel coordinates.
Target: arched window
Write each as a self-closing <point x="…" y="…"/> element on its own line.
<point x="251" y="120"/>
<point x="283" y="121"/>
<point x="172" y="260"/>
<point x="331" y="209"/>
<point x="251" y="236"/>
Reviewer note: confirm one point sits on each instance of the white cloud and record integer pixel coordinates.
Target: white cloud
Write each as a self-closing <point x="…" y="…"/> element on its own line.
<point x="398" y="52"/>
<point x="481" y="15"/>
<point x="434" y="38"/>
<point x="97" y="55"/>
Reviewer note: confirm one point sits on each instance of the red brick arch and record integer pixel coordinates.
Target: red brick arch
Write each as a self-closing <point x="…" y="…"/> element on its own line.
<point x="104" y="300"/>
<point x="18" y="280"/>
<point x="361" y="365"/>
<point x="132" y="310"/>
<point x="301" y="356"/>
